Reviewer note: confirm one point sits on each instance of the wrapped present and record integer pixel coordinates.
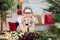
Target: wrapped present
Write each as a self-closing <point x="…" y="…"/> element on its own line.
<point x="12" y="26"/>
<point x="19" y="12"/>
<point x="49" y="19"/>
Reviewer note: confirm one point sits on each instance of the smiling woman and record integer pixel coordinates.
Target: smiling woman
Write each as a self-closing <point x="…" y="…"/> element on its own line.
<point x="26" y="21"/>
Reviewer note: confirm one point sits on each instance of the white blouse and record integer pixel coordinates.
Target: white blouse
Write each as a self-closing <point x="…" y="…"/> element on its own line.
<point x="20" y="20"/>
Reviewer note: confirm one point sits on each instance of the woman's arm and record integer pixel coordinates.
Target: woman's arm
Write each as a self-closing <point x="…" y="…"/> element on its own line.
<point x="21" y="26"/>
<point x="33" y="24"/>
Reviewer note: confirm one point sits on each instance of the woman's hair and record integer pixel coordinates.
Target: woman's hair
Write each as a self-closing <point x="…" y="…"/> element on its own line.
<point x="27" y="8"/>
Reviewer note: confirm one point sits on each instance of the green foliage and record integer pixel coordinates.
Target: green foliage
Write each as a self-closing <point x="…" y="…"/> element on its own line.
<point x="54" y="2"/>
<point x="57" y="18"/>
<point x="53" y="30"/>
<point x="6" y="4"/>
<point x="55" y="8"/>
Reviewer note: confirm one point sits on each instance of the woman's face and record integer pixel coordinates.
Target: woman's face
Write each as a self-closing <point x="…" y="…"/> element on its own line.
<point x="27" y="16"/>
<point x="27" y="12"/>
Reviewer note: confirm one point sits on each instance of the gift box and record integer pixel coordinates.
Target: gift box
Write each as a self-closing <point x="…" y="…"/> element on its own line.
<point x="49" y="19"/>
<point x="19" y="12"/>
<point x="12" y="26"/>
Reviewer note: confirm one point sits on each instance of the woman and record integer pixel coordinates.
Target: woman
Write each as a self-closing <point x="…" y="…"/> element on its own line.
<point x="26" y="20"/>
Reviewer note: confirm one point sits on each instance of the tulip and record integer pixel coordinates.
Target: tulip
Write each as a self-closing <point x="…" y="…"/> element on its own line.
<point x="38" y="36"/>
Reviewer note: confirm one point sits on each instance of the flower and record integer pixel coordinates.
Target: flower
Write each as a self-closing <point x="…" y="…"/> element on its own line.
<point x="21" y="34"/>
<point x="24" y="37"/>
<point x="37" y="36"/>
<point x="13" y="35"/>
<point x="30" y="36"/>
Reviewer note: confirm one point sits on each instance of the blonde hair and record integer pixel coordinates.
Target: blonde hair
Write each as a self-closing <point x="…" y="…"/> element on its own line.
<point x="27" y="8"/>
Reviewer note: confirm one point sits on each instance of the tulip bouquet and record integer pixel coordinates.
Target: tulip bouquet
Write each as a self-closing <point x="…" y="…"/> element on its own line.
<point x="15" y="35"/>
<point x="30" y="36"/>
<point x="27" y="36"/>
<point x="41" y="35"/>
<point x="35" y="35"/>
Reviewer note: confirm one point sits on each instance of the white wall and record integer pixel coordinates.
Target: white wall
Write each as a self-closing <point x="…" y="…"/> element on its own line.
<point x="36" y="1"/>
<point x="37" y="8"/>
<point x="33" y="1"/>
<point x="25" y="1"/>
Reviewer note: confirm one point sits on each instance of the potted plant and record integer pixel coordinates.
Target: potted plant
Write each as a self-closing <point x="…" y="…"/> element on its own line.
<point x="4" y="6"/>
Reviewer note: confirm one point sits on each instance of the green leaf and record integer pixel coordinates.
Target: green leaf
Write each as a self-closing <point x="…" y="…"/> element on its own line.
<point x="6" y="4"/>
<point x="55" y="9"/>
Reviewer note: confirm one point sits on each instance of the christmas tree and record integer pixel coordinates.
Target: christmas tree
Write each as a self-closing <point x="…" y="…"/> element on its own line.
<point x="55" y="8"/>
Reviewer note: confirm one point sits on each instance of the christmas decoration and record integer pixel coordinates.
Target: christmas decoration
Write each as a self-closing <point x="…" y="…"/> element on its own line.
<point x="55" y="8"/>
<point x="49" y="19"/>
